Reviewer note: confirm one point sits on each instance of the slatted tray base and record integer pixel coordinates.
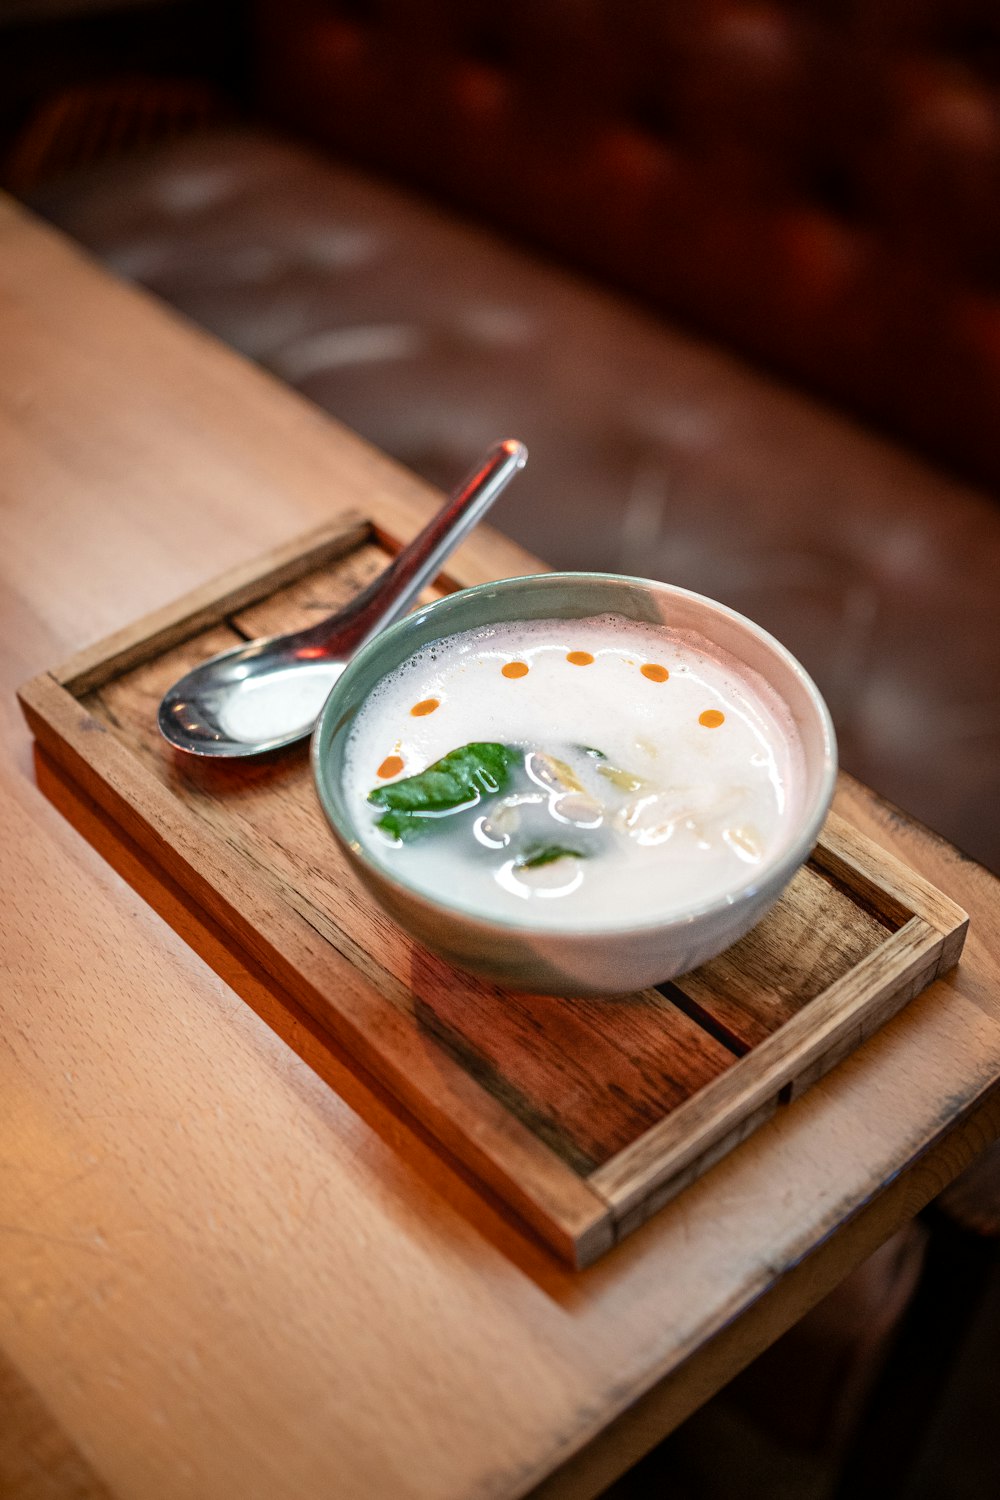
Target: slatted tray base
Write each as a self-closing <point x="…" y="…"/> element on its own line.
<point x="584" y="1114"/>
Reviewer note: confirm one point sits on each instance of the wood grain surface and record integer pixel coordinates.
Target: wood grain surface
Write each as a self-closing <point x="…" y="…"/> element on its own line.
<point x="230" y="1265"/>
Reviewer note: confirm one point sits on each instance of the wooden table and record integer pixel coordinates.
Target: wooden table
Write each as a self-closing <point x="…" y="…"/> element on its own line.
<point x="229" y="1266"/>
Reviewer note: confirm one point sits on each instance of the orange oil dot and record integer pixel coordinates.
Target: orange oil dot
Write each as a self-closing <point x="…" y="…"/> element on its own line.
<point x="391" y="766"/>
<point x="515" y="669"/>
<point x="711" y="718"/>
<point x="654" y="671"/>
<point x="425" y="706"/>
<point x="579" y="658"/>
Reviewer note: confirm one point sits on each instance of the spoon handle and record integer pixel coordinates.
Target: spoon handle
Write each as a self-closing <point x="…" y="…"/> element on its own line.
<point x="389" y="595"/>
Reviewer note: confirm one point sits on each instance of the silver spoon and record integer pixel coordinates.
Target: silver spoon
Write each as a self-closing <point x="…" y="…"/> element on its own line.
<point x="256" y="698"/>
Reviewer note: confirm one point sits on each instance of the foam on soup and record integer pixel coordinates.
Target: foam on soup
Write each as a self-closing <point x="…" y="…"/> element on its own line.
<point x="608" y="772"/>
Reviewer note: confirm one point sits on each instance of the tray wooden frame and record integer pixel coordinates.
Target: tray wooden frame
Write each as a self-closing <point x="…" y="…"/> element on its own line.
<point x="580" y="1215"/>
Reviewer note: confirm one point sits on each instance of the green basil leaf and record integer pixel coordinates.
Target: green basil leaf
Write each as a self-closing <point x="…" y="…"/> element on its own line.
<point x="456" y="781"/>
<point x="547" y="855"/>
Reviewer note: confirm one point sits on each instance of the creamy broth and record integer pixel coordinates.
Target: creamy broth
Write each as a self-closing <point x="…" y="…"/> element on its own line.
<point x="640" y="771"/>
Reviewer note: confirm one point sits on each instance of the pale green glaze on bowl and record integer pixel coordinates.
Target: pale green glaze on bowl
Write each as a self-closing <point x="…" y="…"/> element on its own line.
<point x="625" y="955"/>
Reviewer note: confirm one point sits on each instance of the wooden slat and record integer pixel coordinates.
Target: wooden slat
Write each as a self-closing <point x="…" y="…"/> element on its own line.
<point x="812" y="938"/>
<point x="890" y="885"/>
<point x="313" y="597"/>
<point x="590" y="1075"/>
<point x="647" y="1174"/>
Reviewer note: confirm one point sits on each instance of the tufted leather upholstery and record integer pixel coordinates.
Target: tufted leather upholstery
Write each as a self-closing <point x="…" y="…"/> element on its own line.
<point x="652" y="452"/>
<point x="815" y="182"/>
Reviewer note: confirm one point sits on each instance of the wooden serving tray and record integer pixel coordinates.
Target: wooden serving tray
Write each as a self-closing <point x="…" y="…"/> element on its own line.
<point x="584" y="1114"/>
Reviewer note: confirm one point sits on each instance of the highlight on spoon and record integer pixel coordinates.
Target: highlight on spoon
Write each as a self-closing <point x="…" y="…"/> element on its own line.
<point x="264" y="695"/>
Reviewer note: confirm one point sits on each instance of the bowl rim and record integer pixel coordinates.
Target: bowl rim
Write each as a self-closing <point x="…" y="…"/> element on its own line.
<point x="777" y="870"/>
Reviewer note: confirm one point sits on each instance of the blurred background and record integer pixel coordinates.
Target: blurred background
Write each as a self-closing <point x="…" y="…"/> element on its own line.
<point x="731" y="268"/>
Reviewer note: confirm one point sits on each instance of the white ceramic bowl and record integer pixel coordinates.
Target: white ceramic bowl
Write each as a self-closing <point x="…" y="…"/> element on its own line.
<point x="625" y="954"/>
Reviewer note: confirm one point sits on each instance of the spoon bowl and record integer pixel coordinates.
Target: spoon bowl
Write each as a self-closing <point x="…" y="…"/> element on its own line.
<point x="259" y="697"/>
